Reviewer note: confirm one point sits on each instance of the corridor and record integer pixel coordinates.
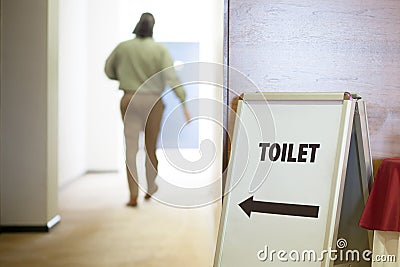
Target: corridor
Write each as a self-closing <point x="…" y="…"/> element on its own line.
<point x="96" y="229"/>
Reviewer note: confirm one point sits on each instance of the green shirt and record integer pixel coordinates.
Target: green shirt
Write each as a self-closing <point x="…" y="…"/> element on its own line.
<point x="134" y="61"/>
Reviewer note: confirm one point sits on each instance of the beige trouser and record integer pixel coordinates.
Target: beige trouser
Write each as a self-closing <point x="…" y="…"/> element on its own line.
<point x="144" y="114"/>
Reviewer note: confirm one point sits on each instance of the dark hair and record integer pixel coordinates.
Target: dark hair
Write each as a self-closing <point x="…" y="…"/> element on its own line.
<point x="144" y="28"/>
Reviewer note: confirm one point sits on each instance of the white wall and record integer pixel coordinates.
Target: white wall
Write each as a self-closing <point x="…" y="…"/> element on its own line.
<point x="104" y="123"/>
<point x="73" y="47"/>
<point x="90" y="127"/>
<point x="28" y="176"/>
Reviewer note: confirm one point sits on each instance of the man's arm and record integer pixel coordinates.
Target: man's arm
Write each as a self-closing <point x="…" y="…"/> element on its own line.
<point x="110" y="65"/>
<point x="174" y="82"/>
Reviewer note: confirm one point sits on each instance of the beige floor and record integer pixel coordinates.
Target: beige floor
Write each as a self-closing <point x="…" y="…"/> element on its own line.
<point x="96" y="229"/>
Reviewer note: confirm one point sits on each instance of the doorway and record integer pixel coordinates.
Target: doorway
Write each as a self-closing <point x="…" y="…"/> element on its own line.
<point x="90" y="125"/>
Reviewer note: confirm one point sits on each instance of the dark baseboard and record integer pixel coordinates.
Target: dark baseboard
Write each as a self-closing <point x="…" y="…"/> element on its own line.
<point x="30" y="228"/>
<point x="24" y="229"/>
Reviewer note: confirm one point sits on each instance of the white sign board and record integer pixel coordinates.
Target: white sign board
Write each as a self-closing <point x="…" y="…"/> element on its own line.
<point x="286" y="179"/>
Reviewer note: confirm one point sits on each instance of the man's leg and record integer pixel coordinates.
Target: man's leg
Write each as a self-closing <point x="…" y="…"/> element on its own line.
<point x="152" y="130"/>
<point x="131" y="132"/>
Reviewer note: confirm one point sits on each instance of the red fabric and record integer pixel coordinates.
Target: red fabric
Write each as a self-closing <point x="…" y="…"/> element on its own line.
<point x="382" y="211"/>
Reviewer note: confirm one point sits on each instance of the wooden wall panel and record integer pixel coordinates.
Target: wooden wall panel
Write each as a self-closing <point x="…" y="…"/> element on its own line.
<point x="323" y="46"/>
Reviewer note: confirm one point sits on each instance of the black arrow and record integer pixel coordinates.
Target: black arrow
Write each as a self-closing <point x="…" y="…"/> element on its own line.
<point x="249" y="206"/>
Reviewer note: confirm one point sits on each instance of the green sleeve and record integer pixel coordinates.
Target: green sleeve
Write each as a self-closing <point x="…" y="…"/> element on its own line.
<point x="110" y="66"/>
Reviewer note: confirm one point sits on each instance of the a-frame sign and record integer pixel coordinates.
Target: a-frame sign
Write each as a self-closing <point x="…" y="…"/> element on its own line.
<point x="298" y="180"/>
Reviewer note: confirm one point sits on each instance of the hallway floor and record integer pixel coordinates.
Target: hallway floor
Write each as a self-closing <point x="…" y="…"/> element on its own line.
<point x="96" y="229"/>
